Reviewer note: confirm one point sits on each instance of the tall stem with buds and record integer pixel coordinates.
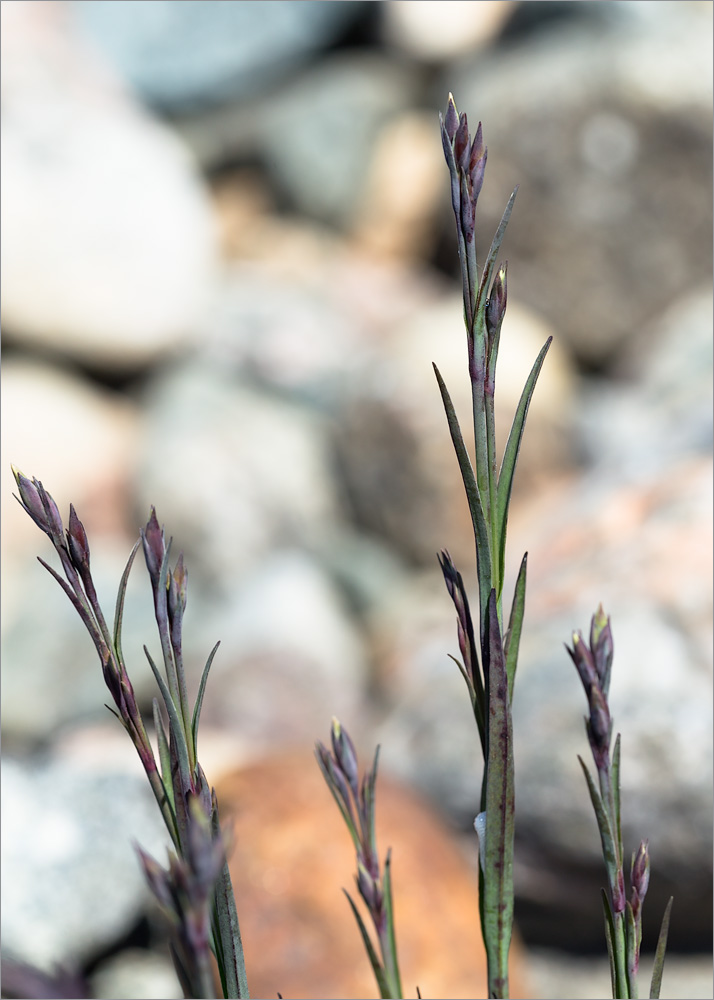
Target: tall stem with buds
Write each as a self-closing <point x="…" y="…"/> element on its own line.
<point x="623" y="916"/>
<point x="356" y="802"/>
<point x="195" y="891"/>
<point x="488" y="491"/>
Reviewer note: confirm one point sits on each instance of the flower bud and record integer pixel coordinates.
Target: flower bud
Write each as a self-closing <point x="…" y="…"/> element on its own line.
<point x="477" y="163"/>
<point x="40" y="506"/>
<point x="461" y="143"/>
<point x="367" y="886"/>
<point x="77" y="543"/>
<point x="496" y="307"/>
<point x="451" y="121"/>
<point x="345" y="755"/>
<point x="176" y="598"/>
<point x="152" y="538"/>
<point x="602" y="648"/>
<point x="30" y="499"/>
<point x="468" y="212"/>
<point x="640" y="871"/>
<point x="584" y="663"/>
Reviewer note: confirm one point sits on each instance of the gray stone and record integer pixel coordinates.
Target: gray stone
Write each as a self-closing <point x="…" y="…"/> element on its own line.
<point x="660" y="410"/>
<point x="71" y="882"/>
<point x="136" y="975"/>
<point x="290" y="658"/>
<point x="110" y="244"/>
<point x="288" y="332"/>
<point x="318" y="136"/>
<point x="51" y="671"/>
<point x="183" y="56"/>
<point x="44" y="409"/>
<point x="233" y="471"/>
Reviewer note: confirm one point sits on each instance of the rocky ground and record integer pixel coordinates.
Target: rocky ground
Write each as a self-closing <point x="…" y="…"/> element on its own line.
<point x="228" y="264"/>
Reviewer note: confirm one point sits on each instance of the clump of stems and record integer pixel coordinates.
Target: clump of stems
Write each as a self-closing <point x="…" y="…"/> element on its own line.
<point x="623" y="915"/>
<point x="195" y="890"/>
<point x="490" y="651"/>
<point x="356" y="802"/>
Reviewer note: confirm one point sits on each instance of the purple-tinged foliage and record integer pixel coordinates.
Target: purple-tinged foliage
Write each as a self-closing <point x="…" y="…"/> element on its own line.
<point x="488" y="492"/>
<point x="356" y="802"/>
<point x="623" y="916"/>
<point x="195" y="891"/>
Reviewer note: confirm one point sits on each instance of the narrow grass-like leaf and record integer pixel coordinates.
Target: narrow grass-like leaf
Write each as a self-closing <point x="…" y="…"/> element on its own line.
<point x="490" y="264"/>
<point x="478" y="707"/>
<point x="175" y="729"/>
<point x="199" y="700"/>
<point x="389" y="908"/>
<point x="498" y="873"/>
<point x="603" y="822"/>
<point x="481" y="533"/>
<point x="615" y="779"/>
<point x="163" y="745"/>
<point x="227" y="940"/>
<point x="660" y="953"/>
<point x="510" y="457"/>
<point x="610" y="938"/>
<point x="379" y="972"/>
<point x="515" y="625"/>
<point x="464" y="674"/>
<point x="121" y="594"/>
<point x="226" y="930"/>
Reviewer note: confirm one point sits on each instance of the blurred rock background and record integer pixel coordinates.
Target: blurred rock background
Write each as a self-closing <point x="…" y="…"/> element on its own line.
<point x="228" y="263"/>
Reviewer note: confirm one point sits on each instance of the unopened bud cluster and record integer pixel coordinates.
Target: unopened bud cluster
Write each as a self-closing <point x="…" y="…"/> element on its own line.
<point x="594" y="663"/>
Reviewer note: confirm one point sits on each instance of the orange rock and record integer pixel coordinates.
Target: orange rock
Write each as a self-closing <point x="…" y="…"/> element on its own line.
<point x="292" y="857"/>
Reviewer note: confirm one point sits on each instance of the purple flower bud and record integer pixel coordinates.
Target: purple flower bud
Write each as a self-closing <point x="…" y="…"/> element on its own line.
<point x="152" y="538"/>
<point x="468" y="211"/>
<point x="366" y="886"/>
<point x="55" y="528"/>
<point x="477" y="163"/>
<point x="461" y="143"/>
<point x="602" y="647"/>
<point x="584" y="663"/>
<point x="345" y="755"/>
<point x="30" y="499"/>
<point x="496" y="307"/>
<point x="640" y="871"/>
<point x="77" y="543"/>
<point x="41" y="507"/>
<point x="176" y="599"/>
<point x="457" y="592"/>
<point x="334" y="777"/>
<point x="451" y="122"/>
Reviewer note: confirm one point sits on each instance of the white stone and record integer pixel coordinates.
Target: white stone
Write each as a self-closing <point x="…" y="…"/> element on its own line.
<point x="109" y="242"/>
